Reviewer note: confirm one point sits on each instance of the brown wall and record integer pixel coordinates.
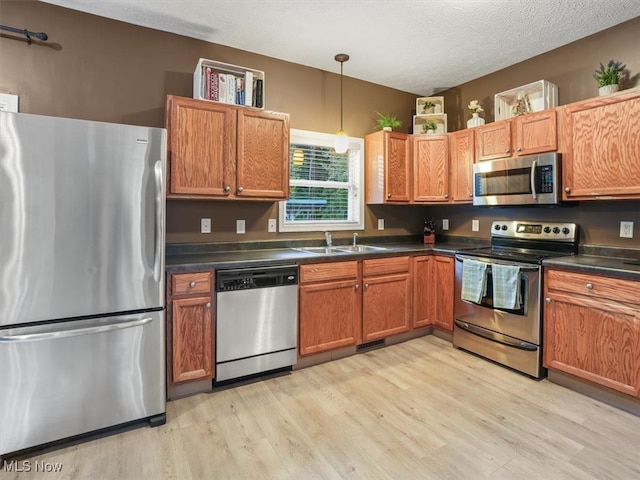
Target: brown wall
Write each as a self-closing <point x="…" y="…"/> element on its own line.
<point x="100" y="69"/>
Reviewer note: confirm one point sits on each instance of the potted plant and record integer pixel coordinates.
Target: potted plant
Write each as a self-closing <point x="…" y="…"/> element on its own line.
<point x="388" y="122"/>
<point x="429" y="127"/>
<point x="428" y="107"/>
<point x="608" y="77"/>
<point x="429" y="230"/>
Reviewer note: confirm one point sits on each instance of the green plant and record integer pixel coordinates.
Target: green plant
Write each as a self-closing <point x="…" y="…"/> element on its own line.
<point x="427" y="105"/>
<point x="430" y="125"/>
<point x="609" y="75"/>
<point x="388" y="121"/>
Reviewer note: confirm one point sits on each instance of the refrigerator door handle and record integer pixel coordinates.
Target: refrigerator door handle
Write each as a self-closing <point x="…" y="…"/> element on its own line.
<point x="157" y="262"/>
<point x="73" y="333"/>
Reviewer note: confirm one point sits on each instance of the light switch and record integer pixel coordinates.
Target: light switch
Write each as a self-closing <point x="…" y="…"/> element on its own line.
<point x="272" y="225"/>
<point x="381" y="224"/>
<point x="475" y="225"/>
<point x="445" y="224"/>
<point x="240" y="225"/>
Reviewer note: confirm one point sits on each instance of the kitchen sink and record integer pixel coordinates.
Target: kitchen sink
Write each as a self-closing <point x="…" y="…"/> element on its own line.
<point x="360" y="248"/>
<point x="321" y="250"/>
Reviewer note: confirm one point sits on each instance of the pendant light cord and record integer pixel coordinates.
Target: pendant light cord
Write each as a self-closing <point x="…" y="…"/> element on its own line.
<point x="341" y="77"/>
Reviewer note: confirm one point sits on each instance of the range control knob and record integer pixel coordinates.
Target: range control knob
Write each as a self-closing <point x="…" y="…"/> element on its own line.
<point x="565" y="230"/>
<point x="497" y="227"/>
<point x="504" y="227"/>
<point x="547" y="229"/>
<point x="556" y="230"/>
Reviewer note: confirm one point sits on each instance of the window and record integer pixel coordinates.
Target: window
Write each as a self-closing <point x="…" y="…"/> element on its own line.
<point x="325" y="188"/>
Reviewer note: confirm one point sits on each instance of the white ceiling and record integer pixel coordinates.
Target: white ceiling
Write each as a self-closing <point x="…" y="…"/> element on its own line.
<point x="417" y="46"/>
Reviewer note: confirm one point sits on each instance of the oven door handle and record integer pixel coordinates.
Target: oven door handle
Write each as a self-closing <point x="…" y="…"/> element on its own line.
<point x="534" y="164"/>
<point x="496" y="337"/>
<point x="524" y="267"/>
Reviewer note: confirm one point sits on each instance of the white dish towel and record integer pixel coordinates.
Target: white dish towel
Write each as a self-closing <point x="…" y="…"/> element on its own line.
<point x="506" y="286"/>
<point x="474" y="280"/>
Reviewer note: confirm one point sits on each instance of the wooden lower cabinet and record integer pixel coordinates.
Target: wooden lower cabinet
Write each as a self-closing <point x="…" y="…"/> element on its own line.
<point x="386" y="298"/>
<point x="329" y="306"/>
<point x="442" y="291"/>
<point x="423" y="305"/>
<point x="592" y="328"/>
<point x="190" y="337"/>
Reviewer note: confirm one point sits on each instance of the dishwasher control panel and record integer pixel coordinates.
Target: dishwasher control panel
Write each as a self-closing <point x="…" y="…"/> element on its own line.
<point x="250" y="278"/>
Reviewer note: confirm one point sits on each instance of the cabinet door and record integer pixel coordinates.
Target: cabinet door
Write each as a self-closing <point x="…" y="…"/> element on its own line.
<point x="192" y="338"/>
<point x="596" y="340"/>
<point x="601" y="158"/>
<point x="461" y="158"/>
<point x="398" y="157"/>
<point x="430" y="168"/>
<point x="423" y="285"/>
<point x="201" y="148"/>
<point x="443" y="292"/>
<point x="262" y="154"/>
<point x="535" y="133"/>
<point x="329" y="316"/>
<point x="386" y="306"/>
<point x="493" y="140"/>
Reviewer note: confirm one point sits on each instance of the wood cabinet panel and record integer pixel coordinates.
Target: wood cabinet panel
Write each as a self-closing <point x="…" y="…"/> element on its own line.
<point x="430" y="168"/>
<point x="601" y="158"/>
<point x="535" y="133"/>
<point x="493" y="140"/>
<point x="191" y="283"/>
<point x="443" y="281"/>
<point x="322" y="272"/>
<point x="262" y="154"/>
<point x="387" y="167"/>
<point x="329" y="316"/>
<point x="192" y="335"/>
<point x="423" y="283"/>
<point x="462" y="154"/>
<point x="386" y="306"/>
<point x="384" y="266"/>
<point x="593" y="286"/>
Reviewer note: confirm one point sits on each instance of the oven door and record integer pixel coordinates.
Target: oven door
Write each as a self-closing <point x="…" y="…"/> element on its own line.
<point x="526" y="180"/>
<point x="523" y="323"/>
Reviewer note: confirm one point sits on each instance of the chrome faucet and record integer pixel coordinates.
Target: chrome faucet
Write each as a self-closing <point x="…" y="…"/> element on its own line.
<point x="327" y="236"/>
<point x="355" y="239"/>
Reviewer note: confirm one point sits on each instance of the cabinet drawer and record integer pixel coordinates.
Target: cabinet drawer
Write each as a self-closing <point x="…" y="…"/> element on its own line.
<point x="191" y="283"/>
<point x="595" y="286"/>
<point x="383" y="266"/>
<point x="320" y="272"/>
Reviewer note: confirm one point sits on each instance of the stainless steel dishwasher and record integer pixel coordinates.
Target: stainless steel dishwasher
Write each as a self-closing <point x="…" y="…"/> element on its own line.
<point x="256" y="320"/>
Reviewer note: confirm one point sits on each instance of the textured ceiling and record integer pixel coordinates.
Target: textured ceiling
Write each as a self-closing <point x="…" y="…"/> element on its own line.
<point x="417" y="46"/>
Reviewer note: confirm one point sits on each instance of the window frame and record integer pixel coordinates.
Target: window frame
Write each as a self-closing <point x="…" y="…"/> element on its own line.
<point x="308" y="137"/>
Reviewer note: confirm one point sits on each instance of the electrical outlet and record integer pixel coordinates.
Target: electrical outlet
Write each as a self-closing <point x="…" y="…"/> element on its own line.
<point x="240" y="225"/>
<point x="272" y="225"/>
<point x="475" y="225"/>
<point x="445" y="224"/>
<point x="381" y="224"/>
<point x="205" y="225"/>
<point x="626" y="229"/>
<point x="8" y="102"/>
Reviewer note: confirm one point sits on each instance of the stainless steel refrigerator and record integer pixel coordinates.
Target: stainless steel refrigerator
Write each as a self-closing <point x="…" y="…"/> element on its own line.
<point x="81" y="277"/>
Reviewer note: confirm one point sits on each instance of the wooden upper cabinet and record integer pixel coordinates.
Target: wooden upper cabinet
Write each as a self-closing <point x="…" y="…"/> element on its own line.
<point x="430" y="168"/>
<point x="462" y="154"/>
<point x="225" y="151"/>
<point x="535" y="133"/>
<point x="523" y="135"/>
<point x="387" y="167"/>
<point x="601" y="142"/>
<point x="493" y="140"/>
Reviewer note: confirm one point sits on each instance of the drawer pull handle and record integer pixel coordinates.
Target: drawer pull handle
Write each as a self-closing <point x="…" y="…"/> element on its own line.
<point x="589" y="286"/>
<point x="192" y="284"/>
<point x="208" y="305"/>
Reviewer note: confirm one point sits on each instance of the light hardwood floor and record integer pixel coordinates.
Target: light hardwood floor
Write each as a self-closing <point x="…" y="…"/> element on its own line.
<point x="415" y="410"/>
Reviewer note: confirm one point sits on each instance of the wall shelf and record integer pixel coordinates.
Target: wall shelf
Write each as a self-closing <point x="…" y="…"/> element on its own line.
<point x="226" y="83"/>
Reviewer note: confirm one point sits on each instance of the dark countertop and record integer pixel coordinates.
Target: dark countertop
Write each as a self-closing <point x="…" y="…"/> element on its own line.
<point x="622" y="267"/>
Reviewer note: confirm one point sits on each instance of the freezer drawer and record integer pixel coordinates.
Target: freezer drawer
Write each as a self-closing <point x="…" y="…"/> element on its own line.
<point x="69" y="378"/>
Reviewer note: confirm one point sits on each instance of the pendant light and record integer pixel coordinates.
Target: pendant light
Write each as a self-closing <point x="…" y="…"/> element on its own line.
<point x="342" y="141"/>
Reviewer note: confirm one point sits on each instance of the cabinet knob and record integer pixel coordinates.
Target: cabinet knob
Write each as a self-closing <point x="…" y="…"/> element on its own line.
<point x="192" y="284"/>
<point x="548" y="300"/>
<point x="446" y="195"/>
<point x="356" y="286"/>
<point x="589" y="286"/>
<point x="227" y="188"/>
<point x="567" y="189"/>
<point x="366" y="285"/>
<point x="240" y="189"/>
<point x="388" y="195"/>
<point x="506" y="151"/>
<point x="470" y="195"/>
<point x="518" y="149"/>
<point x="208" y="305"/>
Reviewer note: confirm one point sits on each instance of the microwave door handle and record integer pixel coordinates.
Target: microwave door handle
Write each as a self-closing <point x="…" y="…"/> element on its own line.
<point x="533" y="179"/>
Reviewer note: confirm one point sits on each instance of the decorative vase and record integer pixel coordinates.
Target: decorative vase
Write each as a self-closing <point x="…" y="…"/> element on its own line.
<point x="607" y="89"/>
<point x="437" y="108"/>
<point x="431" y="132"/>
<point x="475" y="120"/>
<point x="387" y="129"/>
<point x="428" y="110"/>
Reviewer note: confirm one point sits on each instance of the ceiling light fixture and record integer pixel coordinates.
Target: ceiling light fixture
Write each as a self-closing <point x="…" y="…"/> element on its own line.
<point x="342" y="141"/>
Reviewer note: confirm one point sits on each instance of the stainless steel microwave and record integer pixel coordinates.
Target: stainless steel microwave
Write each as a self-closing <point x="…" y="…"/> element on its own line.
<point x="525" y="180"/>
